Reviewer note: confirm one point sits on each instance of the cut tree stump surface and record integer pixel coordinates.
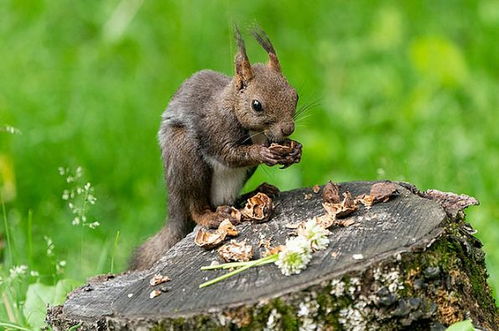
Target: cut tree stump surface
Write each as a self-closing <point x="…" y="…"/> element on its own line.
<point x="407" y="222"/>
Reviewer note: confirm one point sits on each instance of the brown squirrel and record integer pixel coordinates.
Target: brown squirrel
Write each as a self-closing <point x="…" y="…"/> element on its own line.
<point x="214" y="133"/>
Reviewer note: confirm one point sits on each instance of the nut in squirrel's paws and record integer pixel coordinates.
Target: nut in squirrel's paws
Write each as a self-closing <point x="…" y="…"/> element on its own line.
<point x="290" y="152"/>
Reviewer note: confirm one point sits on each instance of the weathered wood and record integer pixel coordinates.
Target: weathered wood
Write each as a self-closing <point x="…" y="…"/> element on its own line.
<point x="419" y="267"/>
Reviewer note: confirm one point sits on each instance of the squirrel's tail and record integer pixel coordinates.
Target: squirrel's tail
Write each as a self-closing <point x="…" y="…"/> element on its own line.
<point x="156" y="246"/>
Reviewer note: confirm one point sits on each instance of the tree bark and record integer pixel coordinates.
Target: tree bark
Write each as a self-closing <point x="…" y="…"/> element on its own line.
<point x="411" y="262"/>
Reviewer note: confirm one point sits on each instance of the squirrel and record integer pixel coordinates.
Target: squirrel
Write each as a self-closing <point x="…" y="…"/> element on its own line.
<point x="214" y="133"/>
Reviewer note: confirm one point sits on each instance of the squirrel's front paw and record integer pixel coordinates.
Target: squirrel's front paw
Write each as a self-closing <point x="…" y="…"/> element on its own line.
<point x="270" y="157"/>
<point x="294" y="156"/>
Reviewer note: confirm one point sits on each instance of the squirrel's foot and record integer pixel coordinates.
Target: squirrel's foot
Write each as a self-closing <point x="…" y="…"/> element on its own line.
<point x="222" y="213"/>
<point x="269" y="189"/>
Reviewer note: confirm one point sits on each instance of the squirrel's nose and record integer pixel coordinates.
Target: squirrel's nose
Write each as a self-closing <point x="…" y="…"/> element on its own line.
<point x="287" y="128"/>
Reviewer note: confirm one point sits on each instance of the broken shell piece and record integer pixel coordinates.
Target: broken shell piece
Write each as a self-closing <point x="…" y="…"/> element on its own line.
<point x="383" y="191"/>
<point x="229" y="228"/>
<point x="357" y="256"/>
<point x="307" y="196"/>
<point x="235" y="214"/>
<point x="316" y="189"/>
<point x="236" y="251"/>
<point x="345" y="208"/>
<point x="273" y="250"/>
<point x="208" y="238"/>
<point x="325" y="221"/>
<point x="258" y="208"/>
<point x="158" y="279"/>
<point x="154" y="293"/>
<point x="331" y="193"/>
<point x="365" y="199"/>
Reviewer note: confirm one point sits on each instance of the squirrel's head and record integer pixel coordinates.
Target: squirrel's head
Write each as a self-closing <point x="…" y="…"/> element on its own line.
<point x="264" y="100"/>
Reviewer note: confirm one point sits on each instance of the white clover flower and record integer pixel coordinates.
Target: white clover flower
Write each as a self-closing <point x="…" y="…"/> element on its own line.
<point x="295" y="256"/>
<point x="315" y="234"/>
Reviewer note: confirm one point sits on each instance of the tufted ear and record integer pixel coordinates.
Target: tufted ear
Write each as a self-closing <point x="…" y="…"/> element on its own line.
<point x="264" y="41"/>
<point x="243" y="67"/>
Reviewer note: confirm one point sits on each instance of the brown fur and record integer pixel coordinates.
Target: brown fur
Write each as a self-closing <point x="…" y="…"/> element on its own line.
<point x="206" y="135"/>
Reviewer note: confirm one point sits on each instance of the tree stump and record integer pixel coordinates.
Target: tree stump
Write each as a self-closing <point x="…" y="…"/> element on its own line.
<point x="411" y="262"/>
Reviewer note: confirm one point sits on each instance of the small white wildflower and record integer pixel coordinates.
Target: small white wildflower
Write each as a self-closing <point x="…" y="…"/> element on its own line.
<point x="79" y="172"/>
<point x="65" y="195"/>
<point x="34" y="273"/>
<point x="91" y="199"/>
<point x="62" y="171"/>
<point x="79" y="190"/>
<point x="315" y="234"/>
<point x="76" y="221"/>
<point x="10" y="129"/>
<point x="17" y="271"/>
<point x="70" y="179"/>
<point x="295" y="256"/>
<point x="93" y="225"/>
<point x="62" y="263"/>
<point x="87" y="187"/>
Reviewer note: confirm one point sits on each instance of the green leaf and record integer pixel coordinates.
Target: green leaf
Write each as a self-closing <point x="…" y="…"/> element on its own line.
<point x="461" y="326"/>
<point x="39" y="296"/>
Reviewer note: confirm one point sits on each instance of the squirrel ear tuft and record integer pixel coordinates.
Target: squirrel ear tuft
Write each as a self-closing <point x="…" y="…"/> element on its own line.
<point x="264" y="41"/>
<point x="243" y="67"/>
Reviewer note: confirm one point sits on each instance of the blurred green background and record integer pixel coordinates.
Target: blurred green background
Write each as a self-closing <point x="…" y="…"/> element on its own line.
<point x="400" y="90"/>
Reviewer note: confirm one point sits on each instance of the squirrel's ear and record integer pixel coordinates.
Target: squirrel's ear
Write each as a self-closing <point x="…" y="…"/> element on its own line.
<point x="243" y="67"/>
<point x="264" y="41"/>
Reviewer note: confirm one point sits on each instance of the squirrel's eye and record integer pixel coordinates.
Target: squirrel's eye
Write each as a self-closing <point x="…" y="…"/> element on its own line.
<point x="256" y="105"/>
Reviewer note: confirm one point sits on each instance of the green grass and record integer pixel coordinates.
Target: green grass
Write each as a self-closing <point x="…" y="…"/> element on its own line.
<point x="403" y="91"/>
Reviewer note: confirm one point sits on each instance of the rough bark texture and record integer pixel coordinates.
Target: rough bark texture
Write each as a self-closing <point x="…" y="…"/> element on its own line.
<point x="421" y="268"/>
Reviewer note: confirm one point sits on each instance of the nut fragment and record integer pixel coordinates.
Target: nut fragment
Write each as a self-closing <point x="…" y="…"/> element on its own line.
<point x="154" y="293"/>
<point x="158" y="279"/>
<point x="331" y="193"/>
<point x="258" y="208"/>
<point x="229" y="228"/>
<point x="342" y="209"/>
<point x="316" y="188"/>
<point x="365" y="199"/>
<point x="273" y="250"/>
<point x="209" y="239"/>
<point x="287" y="151"/>
<point x="383" y="191"/>
<point x="235" y="214"/>
<point x="236" y="251"/>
